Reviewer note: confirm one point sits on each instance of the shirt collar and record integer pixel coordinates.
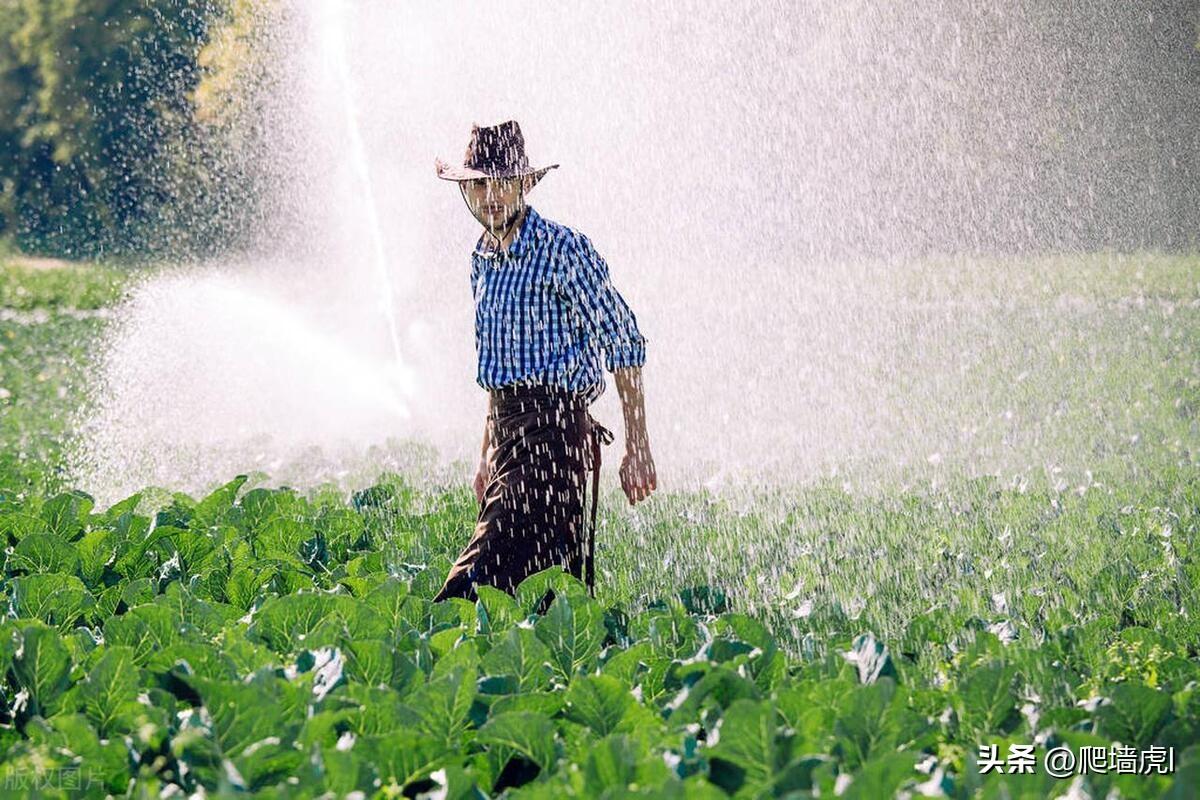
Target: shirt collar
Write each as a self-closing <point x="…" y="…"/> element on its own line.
<point x="519" y="243"/>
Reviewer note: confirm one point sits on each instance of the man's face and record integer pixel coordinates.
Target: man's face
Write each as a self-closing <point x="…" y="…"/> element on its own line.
<point x="495" y="202"/>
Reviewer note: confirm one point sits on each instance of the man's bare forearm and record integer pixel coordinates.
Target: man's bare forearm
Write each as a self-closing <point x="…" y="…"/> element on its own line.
<point x="629" y="387"/>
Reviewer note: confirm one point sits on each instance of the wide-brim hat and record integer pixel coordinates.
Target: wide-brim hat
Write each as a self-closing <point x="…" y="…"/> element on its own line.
<point x="496" y="151"/>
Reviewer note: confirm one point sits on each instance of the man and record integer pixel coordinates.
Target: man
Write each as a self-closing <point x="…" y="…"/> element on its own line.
<point x="545" y="308"/>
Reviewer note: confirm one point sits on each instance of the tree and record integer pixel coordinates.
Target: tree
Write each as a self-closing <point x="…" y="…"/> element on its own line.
<point x="100" y="93"/>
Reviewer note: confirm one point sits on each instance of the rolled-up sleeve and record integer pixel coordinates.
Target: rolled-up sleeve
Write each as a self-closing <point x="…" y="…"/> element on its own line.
<point x="606" y="315"/>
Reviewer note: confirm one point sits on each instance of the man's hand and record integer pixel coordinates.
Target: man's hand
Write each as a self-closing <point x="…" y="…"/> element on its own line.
<point x="638" y="479"/>
<point x="481" y="480"/>
<point x="637" y="467"/>
<point x="481" y="472"/>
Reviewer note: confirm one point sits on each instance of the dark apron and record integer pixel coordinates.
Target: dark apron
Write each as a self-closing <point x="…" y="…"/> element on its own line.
<point x="544" y="441"/>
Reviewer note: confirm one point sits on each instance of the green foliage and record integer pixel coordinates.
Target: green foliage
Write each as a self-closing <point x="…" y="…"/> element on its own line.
<point x="60" y="286"/>
<point x="242" y="681"/>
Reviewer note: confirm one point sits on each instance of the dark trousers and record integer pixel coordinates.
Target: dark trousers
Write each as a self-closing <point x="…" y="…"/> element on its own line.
<point x="532" y="517"/>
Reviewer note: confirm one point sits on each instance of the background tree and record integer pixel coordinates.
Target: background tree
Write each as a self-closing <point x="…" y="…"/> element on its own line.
<point x="102" y="146"/>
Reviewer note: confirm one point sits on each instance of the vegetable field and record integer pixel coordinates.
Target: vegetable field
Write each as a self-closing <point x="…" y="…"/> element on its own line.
<point x="281" y="643"/>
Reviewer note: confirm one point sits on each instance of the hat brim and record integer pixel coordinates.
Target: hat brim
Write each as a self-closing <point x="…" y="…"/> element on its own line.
<point x="451" y="172"/>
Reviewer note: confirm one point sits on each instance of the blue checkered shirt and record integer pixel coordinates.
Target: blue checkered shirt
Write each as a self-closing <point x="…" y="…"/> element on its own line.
<point x="547" y="309"/>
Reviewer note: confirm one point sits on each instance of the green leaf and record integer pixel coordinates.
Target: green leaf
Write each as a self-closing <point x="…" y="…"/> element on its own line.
<point x="341" y="528"/>
<point x="465" y="655"/>
<point x="364" y="622"/>
<point x="625" y="665"/>
<point x="799" y="775"/>
<point x="882" y="776"/>
<point x="671" y="632"/>
<point x="16" y="525"/>
<point x="521" y="654"/>
<point x="695" y="787"/>
<point x="453" y="612"/>
<point x="652" y="682"/>
<point x="111" y="683"/>
<point x="391" y="599"/>
<point x="985" y="702"/>
<point x="1185" y="783"/>
<point x="213" y="509"/>
<point x="573" y="629"/>
<point x="874" y="719"/>
<point x="439" y="708"/>
<point x="114" y="512"/>
<point x="146" y="628"/>
<point x="531" y="591"/>
<point x="402" y="756"/>
<point x="548" y="703"/>
<point x="96" y="550"/>
<point x="246" y="713"/>
<point x="446" y="640"/>
<point x="247" y="583"/>
<point x="135" y="592"/>
<point x="198" y="551"/>
<point x="82" y="647"/>
<point x="104" y="765"/>
<point x="67" y="513"/>
<point x="746" y="629"/>
<point x="57" y="600"/>
<point x="195" y="750"/>
<point x="193" y="658"/>
<point x="1135" y="714"/>
<point x="262" y="506"/>
<point x="720" y="686"/>
<point x="750" y="739"/>
<point x="346" y="771"/>
<point x="43" y="553"/>
<point x="612" y="764"/>
<point x="600" y="702"/>
<point x="247" y="656"/>
<point x="808" y="709"/>
<point x="452" y="782"/>
<point x="373" y="710"/>
<point x="704" y="600"/>
<point x="177" y="514"/>
<point x="376" y="662"/>
<point x="284" y="623"/>
<point x="499" y="608"/>
<point x="497" y="685"/>
<point x="281" y="539"/>
<point x="133" y="562"/>
<point x="187" y="609"/>
<point x="524" y="732"/>
<point x="41" y="665"/>
<point x="267" y="764"/>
